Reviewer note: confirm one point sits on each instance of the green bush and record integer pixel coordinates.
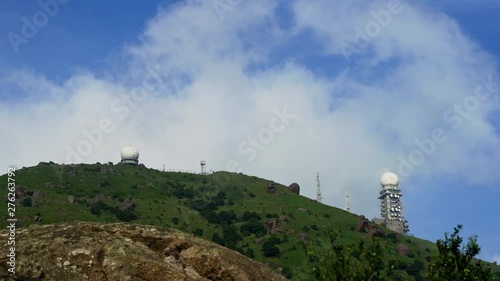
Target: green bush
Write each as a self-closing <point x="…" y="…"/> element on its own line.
<point x="254" y="227"/>
<point x="175" y="220"/>
<point x="247" y="216"/>
<point x="339" y="262"/>
<point x="198" y="232"/>
<point x="456" y="262"/>
<point x="270" y="250"/>
<point x="27" y="202"/>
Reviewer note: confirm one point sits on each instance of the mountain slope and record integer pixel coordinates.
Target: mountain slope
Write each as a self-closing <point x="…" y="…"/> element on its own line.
<point x="231" y="209"/>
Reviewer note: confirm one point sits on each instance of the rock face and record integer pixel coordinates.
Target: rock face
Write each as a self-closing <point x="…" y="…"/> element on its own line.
<point x="294" y="187"/>
<point x="92" y="251"/>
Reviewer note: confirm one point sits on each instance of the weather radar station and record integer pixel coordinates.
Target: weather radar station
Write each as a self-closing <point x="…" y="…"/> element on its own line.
<point x="130" y="155"/>
<point x="391" y="205"/>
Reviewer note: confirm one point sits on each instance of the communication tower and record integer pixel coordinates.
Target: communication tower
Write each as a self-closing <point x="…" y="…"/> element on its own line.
<point x="347" y="201"/>
<point x="318" y="189"/>
<point x="391" y="205"/>
<point x="203" y="170"/>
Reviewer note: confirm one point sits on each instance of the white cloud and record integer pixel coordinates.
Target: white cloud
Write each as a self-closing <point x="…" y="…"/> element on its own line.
<point x="394" y="92"/>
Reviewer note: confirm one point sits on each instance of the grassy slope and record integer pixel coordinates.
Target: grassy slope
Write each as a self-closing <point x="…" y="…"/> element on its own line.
<point x="157" y="204"/>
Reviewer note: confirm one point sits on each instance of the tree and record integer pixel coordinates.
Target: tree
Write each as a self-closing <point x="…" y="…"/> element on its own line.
<point x="456" y="262"/>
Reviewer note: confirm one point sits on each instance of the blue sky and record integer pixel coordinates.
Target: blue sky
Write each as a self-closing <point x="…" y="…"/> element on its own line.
<point x="355" y="116"/>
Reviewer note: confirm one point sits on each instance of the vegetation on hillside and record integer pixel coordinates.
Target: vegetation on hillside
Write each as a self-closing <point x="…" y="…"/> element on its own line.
<point x="230" y="209"/>
<point x="340" y="262"/>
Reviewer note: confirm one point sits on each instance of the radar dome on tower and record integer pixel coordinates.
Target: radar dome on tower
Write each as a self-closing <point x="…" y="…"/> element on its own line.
<point x="130" y="155"/>
<point x="389" y="179"/>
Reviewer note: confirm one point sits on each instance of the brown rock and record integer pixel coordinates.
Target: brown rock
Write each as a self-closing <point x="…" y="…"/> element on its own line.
<point x="275" y="226"/>
<point x="376" y="232"/>
<point x="23" y="191"/>
<point x="295" y="188"/>
<point x="362" y="226"/>
<point x="127" y="206"/>
<point x="92" y="251"/>
<point x="71" y="199"/>
<point x="283" y="219"/>
<point x="271" y="188"/>
<point x="402" y="249"/>
<point x="303" y="236"/>
<point x="38" y="194"/>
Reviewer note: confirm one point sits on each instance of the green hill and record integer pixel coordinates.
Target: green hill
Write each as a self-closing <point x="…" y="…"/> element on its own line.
<point x="234" y="210"/>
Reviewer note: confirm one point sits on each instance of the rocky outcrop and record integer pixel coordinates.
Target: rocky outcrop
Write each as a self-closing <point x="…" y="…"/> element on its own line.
<point x="92" y="251"/>
<point x="277" y="225"/>
<point x="294" y="188"/>
<point x="271" y="188"/>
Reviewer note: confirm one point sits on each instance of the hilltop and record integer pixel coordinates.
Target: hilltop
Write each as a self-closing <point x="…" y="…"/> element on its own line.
<point x="234" y="210"/>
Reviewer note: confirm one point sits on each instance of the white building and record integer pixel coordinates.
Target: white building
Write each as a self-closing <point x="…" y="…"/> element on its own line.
<point x="130" y="155"/>
<point x="391" y="205"/>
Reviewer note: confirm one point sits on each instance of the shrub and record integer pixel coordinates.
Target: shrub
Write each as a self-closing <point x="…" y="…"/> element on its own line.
<point x="250" y="253"/>
<point x="456" y="262"/>
<point x="338" y="261"/>
<point x="27" y="202"/>
<point x="175" y="220"/>
<point x="253" y="227"/>
<point x="198" y="232"/>
<point x="247" y="216"/>
<point x="270" y="250"/>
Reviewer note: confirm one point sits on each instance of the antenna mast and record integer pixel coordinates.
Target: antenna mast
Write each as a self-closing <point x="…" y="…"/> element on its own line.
<point x="347" y="201"/>
<point x="318" y="190"/>
<point x="202" y="164"/>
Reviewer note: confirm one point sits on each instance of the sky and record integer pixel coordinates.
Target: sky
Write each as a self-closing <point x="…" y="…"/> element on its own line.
<point x="277" y="89"/>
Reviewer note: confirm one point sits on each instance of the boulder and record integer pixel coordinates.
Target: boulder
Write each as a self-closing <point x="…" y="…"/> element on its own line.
<point x="38" y="194"/>
<point x="71" y="199"/>
<point x="402" y="249"/>
<point x="275" y="226"/>
<point x="303" y="236"/>
<point x="294" y="188"/>
<point x="271" y="188"/>
<point x="94" y="251"/>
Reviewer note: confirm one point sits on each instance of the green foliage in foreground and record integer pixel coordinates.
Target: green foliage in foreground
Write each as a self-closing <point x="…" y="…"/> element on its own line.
<point x="341" y="262"/>
<point x="351" y="263"/>
<point x="456" y="262"/>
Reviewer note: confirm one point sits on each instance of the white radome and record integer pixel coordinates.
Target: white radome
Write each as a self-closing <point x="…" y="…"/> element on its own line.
<point x="130" y="153"/>
<point x="389" y="179"/>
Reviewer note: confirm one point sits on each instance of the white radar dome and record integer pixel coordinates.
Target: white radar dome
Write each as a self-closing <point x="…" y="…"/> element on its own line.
<point x="130" y="153"/>
<point x="389" y="179"/>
